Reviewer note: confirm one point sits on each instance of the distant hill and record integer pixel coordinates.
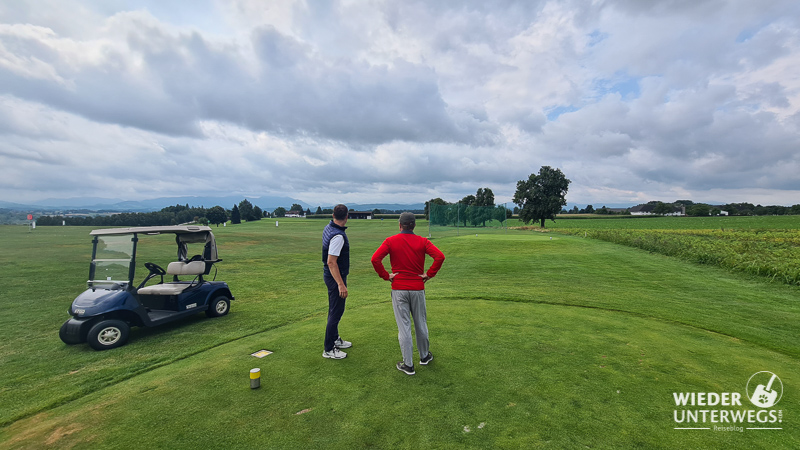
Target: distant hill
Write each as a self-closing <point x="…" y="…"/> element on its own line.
<point x="386" y="206"/>
<point x="267" y="203"/>
<point x="11" y="205"/>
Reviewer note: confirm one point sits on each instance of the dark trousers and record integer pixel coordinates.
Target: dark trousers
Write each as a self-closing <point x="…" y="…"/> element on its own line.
<point x="335" y="310"/>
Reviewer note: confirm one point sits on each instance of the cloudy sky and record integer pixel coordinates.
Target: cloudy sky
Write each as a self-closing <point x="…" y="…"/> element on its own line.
<point x="400" y="101"/>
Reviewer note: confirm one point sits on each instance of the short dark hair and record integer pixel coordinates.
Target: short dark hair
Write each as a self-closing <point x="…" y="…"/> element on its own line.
<point x="408" y="221"/>
<point x="340" y="212"/>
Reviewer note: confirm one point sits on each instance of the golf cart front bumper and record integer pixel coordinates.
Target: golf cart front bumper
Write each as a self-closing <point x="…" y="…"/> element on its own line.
<point x="74" y="330"/>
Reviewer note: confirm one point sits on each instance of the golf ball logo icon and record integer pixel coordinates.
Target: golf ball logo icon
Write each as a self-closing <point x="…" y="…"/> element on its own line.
<point x="764" y="389"/>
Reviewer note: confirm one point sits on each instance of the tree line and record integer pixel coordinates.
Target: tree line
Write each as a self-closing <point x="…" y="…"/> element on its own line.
<point x="539" y="197"/>
<point x="473" y="209"/>
<point x="171" y="215"/>
<point x="738" y="209"/>
<point x="697" y="209"/>
<point x="175" y="215"/>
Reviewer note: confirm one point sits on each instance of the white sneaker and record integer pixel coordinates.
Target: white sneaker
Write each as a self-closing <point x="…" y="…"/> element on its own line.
<point x="335" y="354"/>
<point x="340" y="343"/>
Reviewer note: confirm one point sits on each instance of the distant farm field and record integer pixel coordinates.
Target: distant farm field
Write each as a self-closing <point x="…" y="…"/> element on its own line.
<point x="541" y="340"/>
<point x="766" y="246"/>
<point x="678" y="223"/>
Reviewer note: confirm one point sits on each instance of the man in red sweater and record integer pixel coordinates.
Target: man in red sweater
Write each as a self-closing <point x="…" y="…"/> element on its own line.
<point x="407" y="253"/>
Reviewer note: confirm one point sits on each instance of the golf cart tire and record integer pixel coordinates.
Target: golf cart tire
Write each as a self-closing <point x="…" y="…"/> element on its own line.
<point x="219" y="307"/>
<point x="108" y="334"/>
<point x="70" y="333"/>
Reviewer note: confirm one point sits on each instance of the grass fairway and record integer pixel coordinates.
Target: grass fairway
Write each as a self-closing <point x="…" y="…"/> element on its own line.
<point x="538" y="342"/>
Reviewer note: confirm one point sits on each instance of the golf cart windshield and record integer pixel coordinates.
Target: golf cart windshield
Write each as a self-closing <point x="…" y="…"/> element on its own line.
<point x="113" y="256"/>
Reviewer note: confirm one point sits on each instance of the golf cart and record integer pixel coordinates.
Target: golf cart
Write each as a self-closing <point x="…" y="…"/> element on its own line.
<point x="103" y="314"/>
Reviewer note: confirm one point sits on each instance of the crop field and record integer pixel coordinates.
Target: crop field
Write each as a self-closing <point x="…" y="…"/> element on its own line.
<point x="739" y="223"/>
<point x="541" y="340"/>
<point x="766" y="245"/>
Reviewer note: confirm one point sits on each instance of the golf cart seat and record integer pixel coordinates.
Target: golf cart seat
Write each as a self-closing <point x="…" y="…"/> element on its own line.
<point x="196" y="268"/>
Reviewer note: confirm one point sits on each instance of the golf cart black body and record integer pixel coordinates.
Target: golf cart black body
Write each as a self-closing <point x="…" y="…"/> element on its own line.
<point x="103" y="314"/>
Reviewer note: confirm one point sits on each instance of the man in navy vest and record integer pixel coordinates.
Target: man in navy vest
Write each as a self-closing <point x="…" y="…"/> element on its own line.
<point x="336" y="266"/>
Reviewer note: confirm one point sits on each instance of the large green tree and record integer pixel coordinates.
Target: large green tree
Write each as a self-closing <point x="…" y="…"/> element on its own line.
<point x="662" y="208"/>
<point x="435" y="201"/>
<point x="246" y="210"/>
<point x="216" y="215"/>
<point x="484" y="197"/>
<point x="542" y="195"/>
<point x="468" y="200"/>
<point x="296" y="207"/>
<point x="463" y="210"/>
<point x="236" y="216"/>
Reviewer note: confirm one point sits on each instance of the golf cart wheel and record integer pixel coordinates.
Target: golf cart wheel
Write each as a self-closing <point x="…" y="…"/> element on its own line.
<point x="219" y="307"/>
<point x="67" y="336"/>
<point x="108" y="334"/>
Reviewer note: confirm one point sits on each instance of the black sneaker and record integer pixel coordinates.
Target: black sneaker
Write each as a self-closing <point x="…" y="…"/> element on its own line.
<point x="405" y="369"/>
<point x="424" y="361"/>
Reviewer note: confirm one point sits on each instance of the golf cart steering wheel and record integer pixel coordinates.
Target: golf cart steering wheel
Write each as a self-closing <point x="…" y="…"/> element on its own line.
<point x="155" y="269"/>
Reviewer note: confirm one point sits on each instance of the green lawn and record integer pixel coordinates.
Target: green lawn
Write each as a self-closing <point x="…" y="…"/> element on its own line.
<point x="538" y="342"/>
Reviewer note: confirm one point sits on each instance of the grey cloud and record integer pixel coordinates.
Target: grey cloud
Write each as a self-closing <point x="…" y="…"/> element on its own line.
<point x="428" y="99"/>
<point x="693" y="39"/>
<point x="673" y="8"/>
<point x="294" y="92"/>
<point x="770" y="94"/>
<point x="701" y="139"/>
<point x="96" y="95"/>
<point x="278" y="51"/>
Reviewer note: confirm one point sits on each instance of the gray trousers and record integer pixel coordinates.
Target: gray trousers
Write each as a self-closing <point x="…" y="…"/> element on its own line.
<point x="408" y="304"/>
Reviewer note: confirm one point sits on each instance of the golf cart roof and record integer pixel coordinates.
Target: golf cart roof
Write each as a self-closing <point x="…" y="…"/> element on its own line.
<point x="176" y="229"/>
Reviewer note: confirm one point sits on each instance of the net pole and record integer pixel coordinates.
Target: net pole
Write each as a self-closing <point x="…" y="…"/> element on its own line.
<point x="430" y="216"/>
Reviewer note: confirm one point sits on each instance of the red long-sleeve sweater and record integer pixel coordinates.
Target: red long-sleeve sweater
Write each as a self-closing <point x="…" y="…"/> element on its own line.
<point x="407" y="253"/>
